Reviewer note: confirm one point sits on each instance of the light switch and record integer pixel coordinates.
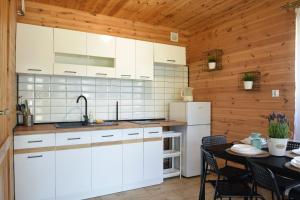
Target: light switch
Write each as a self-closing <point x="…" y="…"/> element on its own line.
<point x="275" y="93"/>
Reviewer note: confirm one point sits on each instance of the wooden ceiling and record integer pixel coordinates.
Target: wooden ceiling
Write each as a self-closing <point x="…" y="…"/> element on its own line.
<point x="181" y="14"/>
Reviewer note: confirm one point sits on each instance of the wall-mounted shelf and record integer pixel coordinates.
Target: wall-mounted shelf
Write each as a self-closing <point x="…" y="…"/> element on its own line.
<point x="256" y="81"/>
<point x="217" y="55"/>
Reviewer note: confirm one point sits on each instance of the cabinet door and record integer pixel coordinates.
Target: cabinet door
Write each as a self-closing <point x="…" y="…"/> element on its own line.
<point x="153" y="156"/>
<point x="35" y="176"/>
<point x="107" y="169"/>
<point x="125" y="58"/>
<point x="153" y="161"/>
<point x="169" y="54"/>
<point x="34" y="49"/>
<point x="69" y="69"/>
<point x="70" y="42"/>
<point x="73" y="173"/>
<point x="101" y="45"/>
<point x="132" y="165"/>
<point x="144" y="63"/>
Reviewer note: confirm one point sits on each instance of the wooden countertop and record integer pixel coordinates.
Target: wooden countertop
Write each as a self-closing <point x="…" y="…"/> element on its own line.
<point x="50" y="128"/>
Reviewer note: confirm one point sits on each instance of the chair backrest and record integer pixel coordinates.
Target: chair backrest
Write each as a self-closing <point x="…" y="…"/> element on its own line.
<point x="292" y="145"/>
<point x="210" y="161"/>
<point x="264" y="177"/>
<point x="213" y="140"/>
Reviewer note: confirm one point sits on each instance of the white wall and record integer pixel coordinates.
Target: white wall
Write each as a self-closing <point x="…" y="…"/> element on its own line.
<point x="53" y="98"/>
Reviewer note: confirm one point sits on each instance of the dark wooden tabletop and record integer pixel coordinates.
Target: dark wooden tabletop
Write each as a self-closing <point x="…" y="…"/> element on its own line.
<point x="275" y="163"/>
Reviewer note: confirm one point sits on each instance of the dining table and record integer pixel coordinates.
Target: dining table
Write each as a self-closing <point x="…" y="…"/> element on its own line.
<point x="274" y="163"/>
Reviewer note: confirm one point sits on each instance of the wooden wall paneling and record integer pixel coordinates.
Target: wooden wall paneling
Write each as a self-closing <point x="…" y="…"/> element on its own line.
<point x="260" y="36"/>
<point x="7" y="96"/>
<point x="54" y="16"/>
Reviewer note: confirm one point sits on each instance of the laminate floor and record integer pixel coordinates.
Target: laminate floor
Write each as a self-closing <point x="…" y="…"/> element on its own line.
<point x="171" y="189"/>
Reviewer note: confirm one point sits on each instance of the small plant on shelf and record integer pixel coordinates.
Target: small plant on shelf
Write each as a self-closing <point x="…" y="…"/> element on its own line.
<point x="212" y="62"/>
<point x="248" y="81"/>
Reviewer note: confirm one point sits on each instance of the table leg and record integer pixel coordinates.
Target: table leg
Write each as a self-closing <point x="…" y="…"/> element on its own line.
<point x="203" y="177"/>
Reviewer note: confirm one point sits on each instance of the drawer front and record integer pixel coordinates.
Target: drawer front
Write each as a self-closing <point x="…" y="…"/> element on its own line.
<point x="106" y="136"/>
<point x="34" y="141"/>
<point x="63" y="139"/>
<point x="153" y="132"/>
<point x="132" y="134"/>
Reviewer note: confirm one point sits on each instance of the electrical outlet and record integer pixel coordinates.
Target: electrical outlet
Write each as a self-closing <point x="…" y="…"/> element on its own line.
<point x="275" y="93"/>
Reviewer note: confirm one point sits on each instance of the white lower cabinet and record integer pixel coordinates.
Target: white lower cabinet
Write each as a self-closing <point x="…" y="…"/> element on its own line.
<point x="133" y="159"/>
<point x="153" y="156"/>
<point x="73" y="173"/>
<point x="35" y="176"/>
<point x="106" y="162"/>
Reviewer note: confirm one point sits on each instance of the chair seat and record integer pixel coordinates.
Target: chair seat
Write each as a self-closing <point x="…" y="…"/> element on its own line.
<point x="234" y="173"/>
<point x="284" y="183"/>
<point x="234" y="189"/>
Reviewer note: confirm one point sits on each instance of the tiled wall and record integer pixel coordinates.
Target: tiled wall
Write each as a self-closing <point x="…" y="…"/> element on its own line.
<point x="53" y="98"/>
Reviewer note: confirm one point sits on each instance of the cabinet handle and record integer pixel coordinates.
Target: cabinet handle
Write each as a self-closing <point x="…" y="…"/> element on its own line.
<point x="144" y="77"/>
<point x="133" y="133"/>
<point x="171" y="60"/>
<point x="35" y="141"/>
<point x="78" y="138"/>
<point x="4" y="112"/>
<point x="107" y="135"/>
<point x="34" y="70"/>
<point x="153" y="132"/>
<point x="39" y="156"/>
<point x="126" y="75"/>
<point x="101" y="74"/>
<point x="70" y="72"/>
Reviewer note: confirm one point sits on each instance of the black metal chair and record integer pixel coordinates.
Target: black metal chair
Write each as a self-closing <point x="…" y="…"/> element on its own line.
<point x="265" y="178"/>
<point x="229" y="172"/>
<point x="292" y="145"/>
<point x="226" y="188"/>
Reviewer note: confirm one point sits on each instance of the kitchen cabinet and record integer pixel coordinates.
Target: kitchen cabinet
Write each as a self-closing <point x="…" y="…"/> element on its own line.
<point x="34" y="176"/>
<point x="169" y="54"/>
<point x="125" y="58"/>
<point x="34" y="49"/>
<point x="144" y="63"/>
<point x="69" y="42"/>
<point x="133" y="163"/>
<point x="153" y="155"/>
<point x="73" y="165"/>
<point x="107" y="162"/>
<point x="101" y="45"/>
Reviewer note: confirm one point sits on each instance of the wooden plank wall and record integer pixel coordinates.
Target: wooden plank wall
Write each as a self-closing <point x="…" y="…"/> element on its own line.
<point x="258" y="37"/>
<point x="7" y="95"/>
<point x="54" y="16"/>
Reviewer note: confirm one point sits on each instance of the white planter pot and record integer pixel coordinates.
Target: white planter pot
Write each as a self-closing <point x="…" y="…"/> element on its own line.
<point x="212" y="65"/>
<point x="248" y="85"/>
<point x="277" y="147"/>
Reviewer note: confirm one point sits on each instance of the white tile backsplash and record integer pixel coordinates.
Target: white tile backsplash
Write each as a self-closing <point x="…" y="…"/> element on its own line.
<point x="53" y="98"/>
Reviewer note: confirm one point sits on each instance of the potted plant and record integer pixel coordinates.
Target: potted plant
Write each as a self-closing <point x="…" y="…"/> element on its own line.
<point x="212" y="62"/>
<point x="248" y="81"/>
<point x="278" y="134"/>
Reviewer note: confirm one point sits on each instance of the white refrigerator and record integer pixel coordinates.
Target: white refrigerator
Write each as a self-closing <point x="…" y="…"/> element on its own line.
<point x="197" y="115"/>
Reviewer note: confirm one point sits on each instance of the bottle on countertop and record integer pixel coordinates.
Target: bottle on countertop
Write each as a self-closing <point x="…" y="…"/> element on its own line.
<point x="91" y="117"/>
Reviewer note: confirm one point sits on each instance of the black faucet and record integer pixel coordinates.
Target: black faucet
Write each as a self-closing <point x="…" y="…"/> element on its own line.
<point x="85" y="117"/>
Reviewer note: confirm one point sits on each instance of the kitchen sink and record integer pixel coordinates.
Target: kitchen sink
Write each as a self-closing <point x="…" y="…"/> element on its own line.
<point x="80" y="125"/>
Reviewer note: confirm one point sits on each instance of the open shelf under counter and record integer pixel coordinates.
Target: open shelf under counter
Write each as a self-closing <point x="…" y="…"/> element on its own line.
<point x="171" y="134"/>
<point x="171" y="153"/>
<point x="171" y="172"/>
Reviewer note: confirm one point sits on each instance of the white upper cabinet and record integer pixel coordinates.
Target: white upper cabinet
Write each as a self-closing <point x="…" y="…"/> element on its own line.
<point x="169" y="54"/>
<point x="125" y="58"/>
<point x="34" y="49"/>
<point x="144" y="63"/>
<point x="70" y="42"/>
<point x="100" y="45"/>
